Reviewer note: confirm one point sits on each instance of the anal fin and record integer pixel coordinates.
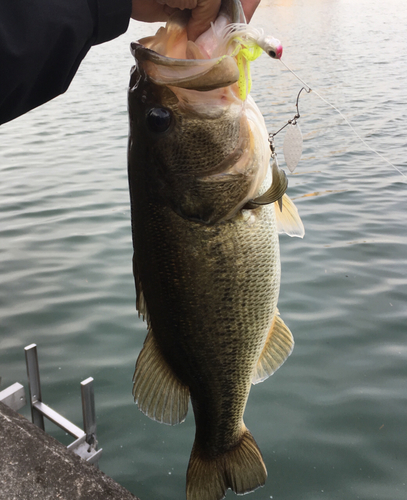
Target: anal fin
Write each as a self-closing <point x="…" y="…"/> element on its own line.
<point x="279" y="345"/>
<point x="156" y="389"/>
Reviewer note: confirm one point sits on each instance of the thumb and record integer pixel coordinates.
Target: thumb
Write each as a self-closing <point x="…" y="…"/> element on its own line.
<point x="204" y="13"/>
<point x="249" y="6"/>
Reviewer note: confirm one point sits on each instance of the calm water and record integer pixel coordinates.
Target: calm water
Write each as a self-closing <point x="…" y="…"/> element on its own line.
<point x="332" y="423"/>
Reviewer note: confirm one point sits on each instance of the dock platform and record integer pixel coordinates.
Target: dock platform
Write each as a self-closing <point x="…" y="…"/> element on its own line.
<point x="34" y="465"/>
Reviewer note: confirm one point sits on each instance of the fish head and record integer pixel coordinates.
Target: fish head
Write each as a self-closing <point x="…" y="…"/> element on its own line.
<point x="192" y="138"/>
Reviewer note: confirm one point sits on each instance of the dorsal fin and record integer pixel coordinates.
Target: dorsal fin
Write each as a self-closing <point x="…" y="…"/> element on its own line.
<point x="287" y="218"/>
<point x="279" y="345"/>
<point x="158" y="392"/>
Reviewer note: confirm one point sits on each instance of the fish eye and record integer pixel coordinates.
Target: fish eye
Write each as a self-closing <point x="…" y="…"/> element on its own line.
<point x="272" y="53"/>
<point x="159" y="120"/>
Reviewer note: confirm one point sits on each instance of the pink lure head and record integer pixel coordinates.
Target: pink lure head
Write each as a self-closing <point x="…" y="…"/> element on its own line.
<point x="279" y="51"/>
<point x="271" y="46"/>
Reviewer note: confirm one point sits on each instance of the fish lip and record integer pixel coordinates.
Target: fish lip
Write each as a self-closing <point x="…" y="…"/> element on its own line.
<point x="142" y="53"/>
<point x="215" y="73"/>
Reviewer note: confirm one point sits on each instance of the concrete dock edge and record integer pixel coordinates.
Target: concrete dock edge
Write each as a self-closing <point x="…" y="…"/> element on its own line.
<point x="34" y="465"/>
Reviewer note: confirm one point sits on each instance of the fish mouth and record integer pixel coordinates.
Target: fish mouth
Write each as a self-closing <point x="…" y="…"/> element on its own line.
<point x="192" y="74"/>
<point x="169" y="59"/>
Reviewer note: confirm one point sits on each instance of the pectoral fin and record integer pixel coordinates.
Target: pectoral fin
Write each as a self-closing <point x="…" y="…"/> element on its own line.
<point x="279" y="345"/>
<point x="288" y="219"/>
<point x="275" y="192"/>
<point x="157" y="391"/>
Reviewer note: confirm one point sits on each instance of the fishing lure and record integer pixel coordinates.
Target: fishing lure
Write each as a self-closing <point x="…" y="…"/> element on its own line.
<point x="251" y="43"/>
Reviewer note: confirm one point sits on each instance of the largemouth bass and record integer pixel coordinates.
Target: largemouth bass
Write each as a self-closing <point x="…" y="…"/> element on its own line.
<point x="206" y="253"/>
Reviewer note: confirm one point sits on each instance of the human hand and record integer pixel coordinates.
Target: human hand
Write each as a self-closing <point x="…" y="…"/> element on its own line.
<point x="150" y="11"/>
<point x="203" y="12"/>
<point x="249" y="7"/>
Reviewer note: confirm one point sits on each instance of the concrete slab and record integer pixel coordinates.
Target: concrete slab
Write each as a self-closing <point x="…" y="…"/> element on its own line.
<point x="34" y="465"/>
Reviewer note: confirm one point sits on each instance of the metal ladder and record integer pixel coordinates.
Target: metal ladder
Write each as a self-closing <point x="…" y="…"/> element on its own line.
<point x="85" y="444"/>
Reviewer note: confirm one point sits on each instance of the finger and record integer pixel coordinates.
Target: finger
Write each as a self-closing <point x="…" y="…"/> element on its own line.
<point x="180" y="4"/>
<point x="204" y="13"/>
<point x="249" y="7"/>
<point x="150" y="11"/>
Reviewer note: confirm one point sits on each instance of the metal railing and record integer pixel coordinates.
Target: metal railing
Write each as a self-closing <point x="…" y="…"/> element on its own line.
<point x="85" y="444"/>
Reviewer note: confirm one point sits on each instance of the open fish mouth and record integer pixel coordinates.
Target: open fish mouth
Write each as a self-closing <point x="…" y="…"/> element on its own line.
<point x="194" y="74"/>
<point x="170" y="59"/>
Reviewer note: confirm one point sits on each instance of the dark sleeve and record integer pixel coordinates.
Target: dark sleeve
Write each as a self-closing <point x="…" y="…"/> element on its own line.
<point x="42" y="43"/>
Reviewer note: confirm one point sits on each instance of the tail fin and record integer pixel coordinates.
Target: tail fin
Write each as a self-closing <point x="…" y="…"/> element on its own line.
<point x="242" y="469"/>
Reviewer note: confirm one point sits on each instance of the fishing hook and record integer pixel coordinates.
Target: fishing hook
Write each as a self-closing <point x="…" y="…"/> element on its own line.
<point x="293" y="121"/>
